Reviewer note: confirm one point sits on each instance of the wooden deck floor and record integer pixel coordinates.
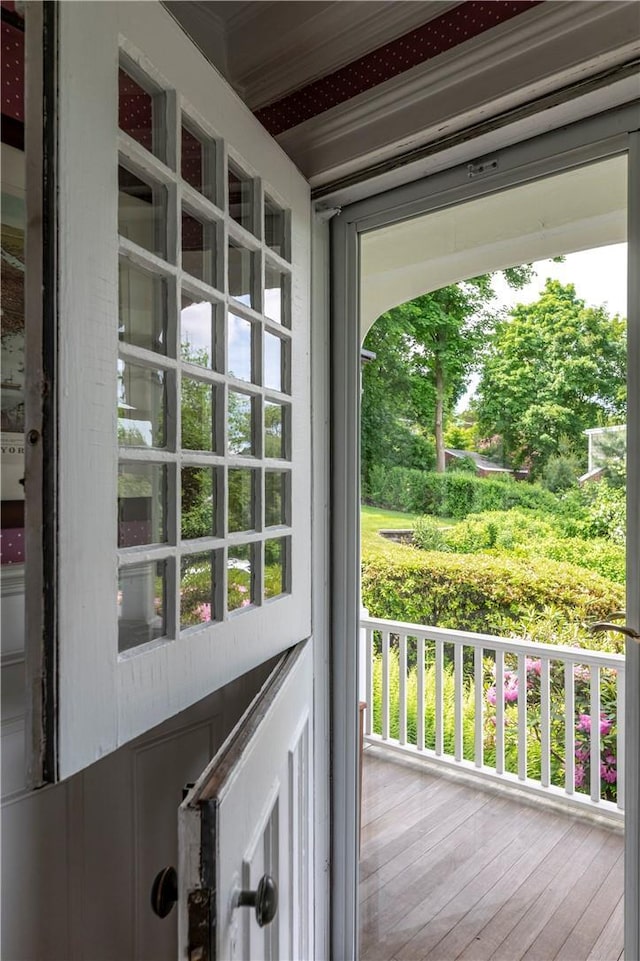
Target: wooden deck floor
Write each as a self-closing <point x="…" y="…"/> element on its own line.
<point x="450" y="870"/>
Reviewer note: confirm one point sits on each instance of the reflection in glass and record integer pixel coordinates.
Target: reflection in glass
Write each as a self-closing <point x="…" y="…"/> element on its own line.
<point x="142" y="504"/>
<point x="141" y="604"/>
<point x="14" y="363"/>
<point x="274" y="294"/>
<point x="275" y="498"/>
<point x="240" y="197"/>
<point x="273" y="348"/>
<point x="275" y="566"/>
<point x="135" y="113"/>
<point x="197" y="161"/>
<point x="240" y="424"/>
<point x="198" y="415"/>
<point x="142" y="214"/>
<point x="198" y="517"/>
<point x="241" y="497"/>
<point x="196" y="589"/>
<point x="197" y="331"/>
<point x="239" y="577"/>
<point x="239" y="348"/>
<point x="141" y="406"/>
<point x="142" y="299"/>
<point x="241" y="274"/>
<point x="198" y="248"/>
<point x="274" y="434"/>
<point x="274" y="226"/>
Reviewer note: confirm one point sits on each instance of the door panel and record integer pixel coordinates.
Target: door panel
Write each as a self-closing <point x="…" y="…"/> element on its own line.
<point x="181" y="432"/>
<point x="250" y="815"/>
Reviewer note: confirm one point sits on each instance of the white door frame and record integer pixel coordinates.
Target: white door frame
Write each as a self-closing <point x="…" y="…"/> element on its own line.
<point x="595" y="138"/>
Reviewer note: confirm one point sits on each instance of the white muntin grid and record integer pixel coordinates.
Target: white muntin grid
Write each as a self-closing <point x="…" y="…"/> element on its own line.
<point x="173" y="197"/>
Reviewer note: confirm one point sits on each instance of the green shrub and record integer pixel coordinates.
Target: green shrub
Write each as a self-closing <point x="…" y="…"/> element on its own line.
<point x="597" y="554"/>
<point x="560" y="473"/>
<point x="462" y="463"/>
<point x="606" y="512"/>
<point x="453" y="494"/>
<point x="480" y="592"/>
<point x="496" y="529"/>
<point x="524" y="534"/>
<point x="428" y="535"/>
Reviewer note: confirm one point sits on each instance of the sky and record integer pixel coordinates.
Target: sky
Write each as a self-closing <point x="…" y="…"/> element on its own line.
<point x="599" y="275"/>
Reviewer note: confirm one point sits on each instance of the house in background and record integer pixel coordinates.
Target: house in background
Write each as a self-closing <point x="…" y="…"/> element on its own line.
<point x="207" y="166"/>
<point x="484" y="466"/>
<point x="605" y="444"/>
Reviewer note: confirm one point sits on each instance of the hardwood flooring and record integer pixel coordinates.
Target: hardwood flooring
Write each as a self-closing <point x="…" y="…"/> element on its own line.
<point x="452" y="870"/>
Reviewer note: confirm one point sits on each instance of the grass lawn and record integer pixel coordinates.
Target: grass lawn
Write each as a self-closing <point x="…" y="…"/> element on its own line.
<point x="374" y="519"/>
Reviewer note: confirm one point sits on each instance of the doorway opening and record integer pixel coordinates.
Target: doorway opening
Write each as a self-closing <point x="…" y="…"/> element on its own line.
<point x="491" y="746"/>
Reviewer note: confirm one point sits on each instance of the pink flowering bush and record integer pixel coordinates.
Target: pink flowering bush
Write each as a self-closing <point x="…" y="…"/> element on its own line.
<point x="607" y="727"/>
<point x="204" y="612"/>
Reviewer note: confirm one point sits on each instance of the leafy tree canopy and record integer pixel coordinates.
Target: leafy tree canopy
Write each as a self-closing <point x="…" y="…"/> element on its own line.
<point x="553" y="369"/>
<point x="425" y="351"/>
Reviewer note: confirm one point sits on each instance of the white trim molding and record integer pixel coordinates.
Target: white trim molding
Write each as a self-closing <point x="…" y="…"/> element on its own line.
<point x="544" y="49"/>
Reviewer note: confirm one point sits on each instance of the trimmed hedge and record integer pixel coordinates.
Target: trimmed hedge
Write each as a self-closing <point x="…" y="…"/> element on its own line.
<point x="454" y="493"/>
<point x="480" y="592"/>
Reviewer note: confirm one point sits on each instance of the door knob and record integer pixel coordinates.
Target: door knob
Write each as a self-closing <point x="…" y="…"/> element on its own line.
<point x="164" y="892"/>
<point x="610" y="626"/>
<point x="264" y="899"/>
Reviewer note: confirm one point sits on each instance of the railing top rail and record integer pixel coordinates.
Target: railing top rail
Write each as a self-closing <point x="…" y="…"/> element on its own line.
<point x="575" y="655"/>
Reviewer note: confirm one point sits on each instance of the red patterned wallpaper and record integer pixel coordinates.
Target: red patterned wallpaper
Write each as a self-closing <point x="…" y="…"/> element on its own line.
<point x="423" y="43"/>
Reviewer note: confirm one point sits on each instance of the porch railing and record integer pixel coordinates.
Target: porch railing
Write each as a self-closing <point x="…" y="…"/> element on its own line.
<point x="546" y="718"/>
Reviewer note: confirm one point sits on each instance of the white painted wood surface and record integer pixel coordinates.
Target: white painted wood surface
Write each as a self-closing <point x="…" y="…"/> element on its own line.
<point x="631" y="694"/>
<point x="83" y="854"/>
<point x="396" y="637"/>
<point x="253" y="808"/>
<point x="532" y="55"/>
<point x="140" y="689"/>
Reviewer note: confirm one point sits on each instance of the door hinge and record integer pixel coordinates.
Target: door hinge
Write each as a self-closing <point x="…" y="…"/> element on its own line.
<point x="201" y="933"/>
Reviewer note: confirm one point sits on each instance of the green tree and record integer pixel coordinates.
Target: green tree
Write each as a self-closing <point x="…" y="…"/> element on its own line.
<point x="554" y="368"/>
<point x="425" y="351"/>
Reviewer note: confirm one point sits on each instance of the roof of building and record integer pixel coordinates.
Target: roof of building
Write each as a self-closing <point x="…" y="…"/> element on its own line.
<point x="482" y="462"/>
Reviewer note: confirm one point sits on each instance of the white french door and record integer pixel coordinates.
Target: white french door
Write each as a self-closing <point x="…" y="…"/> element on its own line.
<point x="616" y="133"/>
<point x="178" y="547"/>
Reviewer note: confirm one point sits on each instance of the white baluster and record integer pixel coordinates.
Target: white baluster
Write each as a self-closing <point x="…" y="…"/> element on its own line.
<point x="569" y="729"/>
<point x="522" y="718"/>
<point x="620" y="741"/>
<point x="439" y="723"/>
<point x="385" y="685"/>
<point x="545" y="723"/>
<point x="500" y="712"/>
<point x="402" y="688"/>
<point x="595" y="732"/>
<point x="420" y="694"/>
<point x="458" y="692"/>
<point x="478" y="751"/>
<point x="369" y="682"/>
